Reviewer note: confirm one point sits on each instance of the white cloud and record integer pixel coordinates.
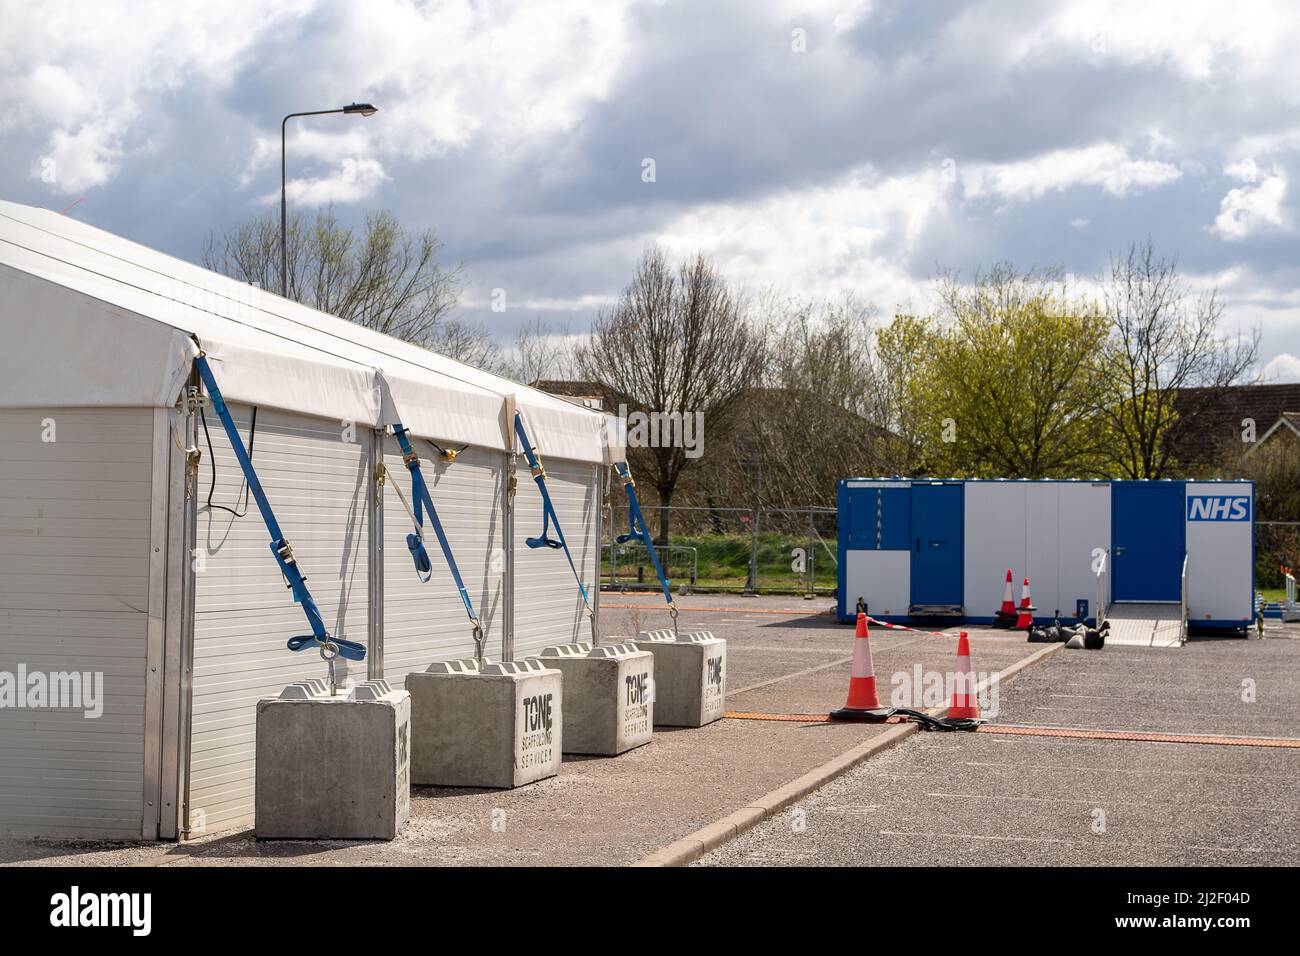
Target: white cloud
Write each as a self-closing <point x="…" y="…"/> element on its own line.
<point x="75" y="161"/>
<point x="1244" y="169"/>
<point x="851" y="15"/>
<point x="852" y="235"/>
<point x="353" y="180"/>
<point x="859" y="233"/>
<point x="77" y="75"/>
<point x="307" y="144"/>
<point x="453" y="75"/>
<point x="1200" y="39"/>
<point x="480" y="297"/>
<point x="488" y="107"/>
<point x="1283" y="368"/>
<point x="444" y="73"/>
<point x="1104" y="164"/>
<point x="1249" y="209"/>
<point x="457" y="71"/>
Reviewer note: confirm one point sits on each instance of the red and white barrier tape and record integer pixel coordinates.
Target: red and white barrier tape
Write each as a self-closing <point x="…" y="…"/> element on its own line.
<point x="914" y="630"/>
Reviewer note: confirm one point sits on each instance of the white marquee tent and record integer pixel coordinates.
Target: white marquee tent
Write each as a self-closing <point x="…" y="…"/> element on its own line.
<point x="118" y="558"/>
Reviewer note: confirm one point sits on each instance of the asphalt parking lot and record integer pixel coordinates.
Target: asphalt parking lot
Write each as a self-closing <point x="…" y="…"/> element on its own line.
<point x="784" y="656"/>
<point x="960" y="799"/>
<point x="933" y="799"/>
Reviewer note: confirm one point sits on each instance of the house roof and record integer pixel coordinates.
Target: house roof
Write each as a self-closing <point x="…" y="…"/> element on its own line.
<point x="1210" y="418"/>
<point x="1289" y="421"/>
<point x="587" y="394"/>
<point x="576" y="388"/>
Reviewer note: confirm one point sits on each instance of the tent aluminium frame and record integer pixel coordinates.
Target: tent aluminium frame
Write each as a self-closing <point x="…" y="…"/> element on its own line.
<point x="174" y="536"/>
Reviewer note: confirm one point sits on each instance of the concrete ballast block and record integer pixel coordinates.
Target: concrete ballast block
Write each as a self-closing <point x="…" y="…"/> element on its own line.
<point x="690" y="676"/>
<point x="488" y="724"/>
<point x="608" y="696"/>
<point x="333" y="767"/>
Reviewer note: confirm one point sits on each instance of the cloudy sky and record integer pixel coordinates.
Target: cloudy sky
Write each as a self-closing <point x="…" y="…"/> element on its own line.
<point x="818" y="146"/>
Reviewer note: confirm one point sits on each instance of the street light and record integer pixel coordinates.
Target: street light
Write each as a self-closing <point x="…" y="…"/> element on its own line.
<point x="363" y="109"/>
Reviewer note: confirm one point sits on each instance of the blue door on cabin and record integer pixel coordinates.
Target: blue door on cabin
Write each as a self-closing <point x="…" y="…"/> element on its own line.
<point x="880" y="519"/>
<point x="1147" y="540"/>
<point x="937" y="545"/>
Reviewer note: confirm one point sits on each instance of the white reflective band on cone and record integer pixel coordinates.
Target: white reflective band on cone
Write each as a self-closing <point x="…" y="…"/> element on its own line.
<point x="862" y="664"/>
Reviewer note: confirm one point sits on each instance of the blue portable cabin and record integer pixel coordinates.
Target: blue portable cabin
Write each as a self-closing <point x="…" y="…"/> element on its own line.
<point x="939" y="548"/>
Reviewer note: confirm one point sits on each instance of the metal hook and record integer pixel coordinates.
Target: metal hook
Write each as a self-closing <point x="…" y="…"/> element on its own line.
<point x="329" y="651"/>
<point x="477" y="631"/>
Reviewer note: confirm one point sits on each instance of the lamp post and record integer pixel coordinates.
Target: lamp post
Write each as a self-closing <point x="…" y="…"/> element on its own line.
<point x="364" y="109"/>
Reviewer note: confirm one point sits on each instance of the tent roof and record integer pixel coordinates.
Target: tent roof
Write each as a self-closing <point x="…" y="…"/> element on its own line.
<point x="94" y="319"/>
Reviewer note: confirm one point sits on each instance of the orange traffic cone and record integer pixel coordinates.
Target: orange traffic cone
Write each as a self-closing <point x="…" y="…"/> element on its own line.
<point x="964" y="705"/>
<point x="1006" y="615"/>
<point x="863" y="704"/>
<point x="1025" y="619"/>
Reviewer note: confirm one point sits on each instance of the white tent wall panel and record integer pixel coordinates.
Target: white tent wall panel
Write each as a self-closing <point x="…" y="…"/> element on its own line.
<point x="1218" y="589"/>
<point x="426" y="622"/>
<point x="74" y="592"/>
<point x="547" y="606"/>
<point x="995" y="540"/>
<point x="317" y="483"/>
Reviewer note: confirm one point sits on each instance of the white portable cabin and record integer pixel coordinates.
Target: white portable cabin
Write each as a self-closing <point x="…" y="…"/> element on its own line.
<point x="928" y="548"/>
<point x="113" y="563"/>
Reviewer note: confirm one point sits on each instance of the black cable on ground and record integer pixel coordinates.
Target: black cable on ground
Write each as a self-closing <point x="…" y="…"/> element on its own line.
<point x="927" y="721"/>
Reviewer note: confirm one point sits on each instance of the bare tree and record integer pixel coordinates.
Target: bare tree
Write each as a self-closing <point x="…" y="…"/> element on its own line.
<point x="817" y="419"/>
<point x="1163" y="341"/>
<point x="541" y="351"/>
<point x="466" y="342"/>
<point x="1275" y="469"/>
<point x="677" y="341"/>
<point x="386" y="278"/>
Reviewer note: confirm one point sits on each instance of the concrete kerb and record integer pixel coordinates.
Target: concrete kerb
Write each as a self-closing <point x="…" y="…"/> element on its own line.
<point x="691" y="847"/>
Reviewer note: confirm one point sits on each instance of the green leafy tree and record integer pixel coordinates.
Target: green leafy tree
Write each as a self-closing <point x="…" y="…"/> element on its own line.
<point x="1008" y="385"/>
<point x="899" y="377"/>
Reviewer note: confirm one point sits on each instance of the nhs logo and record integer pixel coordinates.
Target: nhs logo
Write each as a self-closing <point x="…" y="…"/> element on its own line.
<point x="1218" y="508"/>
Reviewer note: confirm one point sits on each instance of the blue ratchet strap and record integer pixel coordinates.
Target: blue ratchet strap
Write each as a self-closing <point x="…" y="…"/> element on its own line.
<point x="293" y="576"/>
<point x="549" y="516"/>
<point x="637" y="529"/>
<point x="423" y="501"/>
